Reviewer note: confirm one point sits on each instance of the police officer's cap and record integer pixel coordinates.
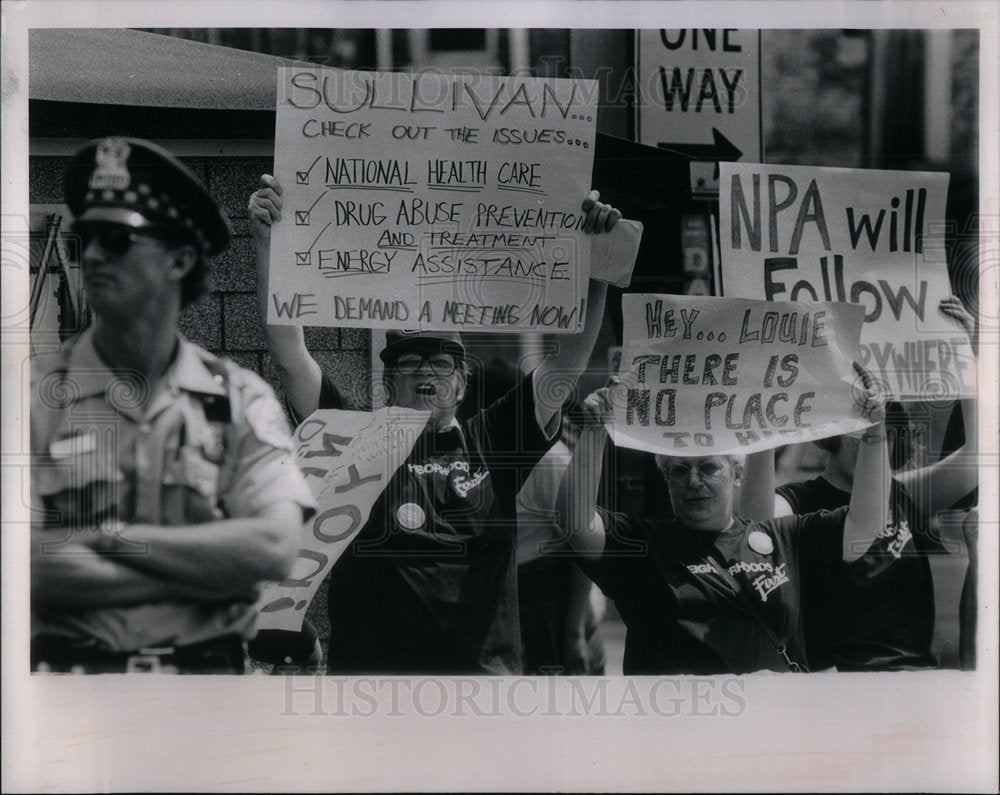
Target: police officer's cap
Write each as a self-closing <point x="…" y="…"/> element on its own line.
<point x="398" y="342"/>
<point x="136" y="183"/>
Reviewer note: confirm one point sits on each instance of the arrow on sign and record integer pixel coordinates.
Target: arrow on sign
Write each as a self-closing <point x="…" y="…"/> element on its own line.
<point x="721" y="150"/>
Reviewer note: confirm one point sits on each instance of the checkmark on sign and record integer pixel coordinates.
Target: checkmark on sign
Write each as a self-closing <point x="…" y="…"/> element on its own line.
<point x="302" y="177"/>
<point x="302" y="216"/>
<point x="304" y="258"/>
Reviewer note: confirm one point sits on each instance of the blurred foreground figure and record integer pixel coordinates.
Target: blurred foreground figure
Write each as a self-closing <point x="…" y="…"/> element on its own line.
<point x="162" y="488"/>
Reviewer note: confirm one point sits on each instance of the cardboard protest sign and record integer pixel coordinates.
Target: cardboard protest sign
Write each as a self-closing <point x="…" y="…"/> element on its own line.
<point x="874" y="238"/>
<point x="348" y="457"/>
<point x="612" y="254"/>
<point x="431" y="201"/>
<point x="706" y="376"/>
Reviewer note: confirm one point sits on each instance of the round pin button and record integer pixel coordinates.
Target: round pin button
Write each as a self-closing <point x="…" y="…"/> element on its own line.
<point x="760" y="542"/>
<point x="410" y="515"/>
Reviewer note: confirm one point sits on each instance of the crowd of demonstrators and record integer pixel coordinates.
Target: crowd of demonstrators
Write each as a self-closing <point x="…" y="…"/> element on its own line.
<point x="877" y="613"/>
<point x="485" y="552"/>
<point x="161" y="492"/>
<point x="708" y="592"/>
<point x="429" y="585"/>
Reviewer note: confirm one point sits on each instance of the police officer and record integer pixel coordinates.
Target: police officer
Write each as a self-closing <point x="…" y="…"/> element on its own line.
<point x="161" y="489"/>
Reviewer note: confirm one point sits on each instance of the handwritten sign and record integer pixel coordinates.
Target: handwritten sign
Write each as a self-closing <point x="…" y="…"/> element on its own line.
<point x="348" y="457"/>
<point x="706" y="376"/>
<point x="612" y="254"/>
<point x="869" y="237"/>
<point x="431" y="201"/>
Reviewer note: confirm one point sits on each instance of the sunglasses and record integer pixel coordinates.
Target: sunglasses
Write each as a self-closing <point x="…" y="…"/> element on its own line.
<point x="708" y="472"/>
<point x="114" y="239"/>
<point x="442" y="364"/>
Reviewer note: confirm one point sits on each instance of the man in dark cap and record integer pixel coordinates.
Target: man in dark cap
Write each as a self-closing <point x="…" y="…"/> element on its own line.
<point x="429" y="585"/>
<point x="161" y="490"/>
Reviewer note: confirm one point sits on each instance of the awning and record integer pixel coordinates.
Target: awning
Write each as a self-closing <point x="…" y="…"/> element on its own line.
<point x="135" y="68"/>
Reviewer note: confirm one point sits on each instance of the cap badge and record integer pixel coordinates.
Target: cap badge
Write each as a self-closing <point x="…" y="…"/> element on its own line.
<point x="760" y="543"/>
<point x="111" y="173"/>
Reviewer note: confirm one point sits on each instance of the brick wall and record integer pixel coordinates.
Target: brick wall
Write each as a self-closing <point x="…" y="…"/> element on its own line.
<point x="225" y="320"/>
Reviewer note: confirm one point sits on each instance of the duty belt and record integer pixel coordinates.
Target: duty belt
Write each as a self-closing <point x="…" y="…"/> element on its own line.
<point x="55" y="654"/>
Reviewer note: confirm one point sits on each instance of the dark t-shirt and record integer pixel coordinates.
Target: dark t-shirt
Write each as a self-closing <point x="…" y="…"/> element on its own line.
<point x="876" y="613"/>
<point x="683" y="617"/>
<point x="430" y="583"/>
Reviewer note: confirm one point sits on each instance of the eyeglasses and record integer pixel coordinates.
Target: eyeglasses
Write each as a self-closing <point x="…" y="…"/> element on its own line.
<point x="115" y="239"/>
<point x="442" y="364"/>
<point x="708" y="472"/>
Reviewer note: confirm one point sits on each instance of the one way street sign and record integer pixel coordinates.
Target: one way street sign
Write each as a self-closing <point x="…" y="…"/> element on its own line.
<point x="721" y="150"/>
<point x="699" y="96"/>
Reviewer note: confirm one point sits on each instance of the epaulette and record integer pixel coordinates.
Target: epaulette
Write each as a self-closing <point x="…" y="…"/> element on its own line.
<point x="218" y="408"/>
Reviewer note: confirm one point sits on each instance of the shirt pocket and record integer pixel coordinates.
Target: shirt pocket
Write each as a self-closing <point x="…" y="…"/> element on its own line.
<point x="190" y="488"/>
<point x="83" y="490"/>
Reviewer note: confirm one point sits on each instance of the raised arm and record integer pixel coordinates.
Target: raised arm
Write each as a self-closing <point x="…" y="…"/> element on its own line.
<point x="577" y="500"/>
<point x="868" y="511"/>
<point x="947" y="481"/>
<point x="758" y="502"/>
<point x="299" y="373"/>
<point x="556" y="377"/>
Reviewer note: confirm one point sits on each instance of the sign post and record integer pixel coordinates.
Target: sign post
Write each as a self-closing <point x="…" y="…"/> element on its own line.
<point x="699" y="96"/>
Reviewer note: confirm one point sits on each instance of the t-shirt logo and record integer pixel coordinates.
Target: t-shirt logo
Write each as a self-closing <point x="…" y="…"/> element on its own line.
<point x="901" y="539"/>
<point x="464" y="485"/>
<point x="456" y="471"/>
<point x="769" y="583"/>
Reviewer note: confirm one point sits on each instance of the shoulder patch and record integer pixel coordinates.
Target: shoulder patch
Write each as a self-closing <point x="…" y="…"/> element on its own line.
<point x="266" y="420"/>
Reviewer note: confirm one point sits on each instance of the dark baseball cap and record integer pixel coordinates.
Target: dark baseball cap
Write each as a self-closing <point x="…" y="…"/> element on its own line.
<point x="398" y="342"/>
<point x="134" y="182"/>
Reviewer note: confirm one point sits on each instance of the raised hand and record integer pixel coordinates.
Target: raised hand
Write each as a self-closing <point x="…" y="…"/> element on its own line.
<point x="601" y="217"/>
<point x="264" y="207"/>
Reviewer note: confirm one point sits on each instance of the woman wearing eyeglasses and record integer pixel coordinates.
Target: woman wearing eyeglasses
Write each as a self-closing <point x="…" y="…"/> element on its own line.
<point x="708" y="592"/>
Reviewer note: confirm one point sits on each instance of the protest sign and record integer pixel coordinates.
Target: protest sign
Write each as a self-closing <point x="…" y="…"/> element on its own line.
<point x="706" y="376"/>
<point x="869" y="237"/>
<point x="431" y="201"/>
<point x="348" y="457"/>
<point x="612" y="254"/>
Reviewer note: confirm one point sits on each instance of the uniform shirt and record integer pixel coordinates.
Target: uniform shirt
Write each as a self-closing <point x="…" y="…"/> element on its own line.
<point x="210" y="444"/>
<point x="430" y="583"/>
<point x="682" y="617"/>
<point x="876" y="613"/>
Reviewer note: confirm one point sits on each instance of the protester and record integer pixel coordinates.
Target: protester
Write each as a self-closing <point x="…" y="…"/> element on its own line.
<point x="708" y="592"/>
<point x="162" y="493"/>
<point x="429" y="584"/>
<point x="878" y="612"/>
